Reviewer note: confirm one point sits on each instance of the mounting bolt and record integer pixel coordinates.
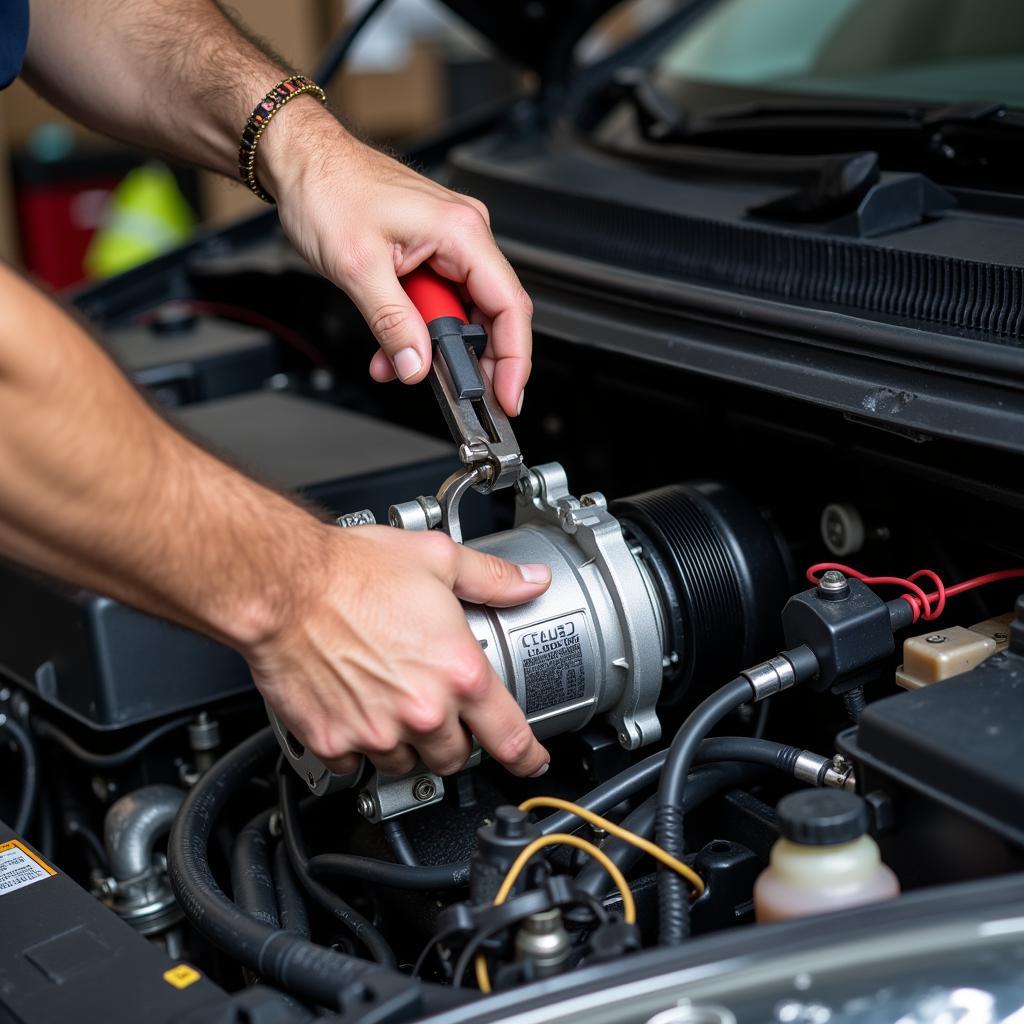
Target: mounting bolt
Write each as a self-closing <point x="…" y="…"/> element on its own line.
<point x="833" y="585"/>
<point x="936" y="638"/>
<point x="424" y="789"/>
<point x="364" y="805"/>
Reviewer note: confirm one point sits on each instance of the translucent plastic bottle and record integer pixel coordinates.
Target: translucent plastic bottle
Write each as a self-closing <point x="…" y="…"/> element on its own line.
<point x="825" y="859"/>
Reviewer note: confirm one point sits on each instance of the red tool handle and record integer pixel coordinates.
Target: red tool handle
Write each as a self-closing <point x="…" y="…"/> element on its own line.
<point x="432" y="295"/>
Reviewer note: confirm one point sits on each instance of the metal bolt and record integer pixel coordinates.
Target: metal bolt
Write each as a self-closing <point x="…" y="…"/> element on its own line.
<point x="936" y="638"/>
<point x="424" y="789"/>
<point x="832" y="580"/>
<point x="364" y="805"/>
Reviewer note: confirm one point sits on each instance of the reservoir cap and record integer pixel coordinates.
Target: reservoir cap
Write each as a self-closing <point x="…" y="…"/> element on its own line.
<point x="822" y="817"/>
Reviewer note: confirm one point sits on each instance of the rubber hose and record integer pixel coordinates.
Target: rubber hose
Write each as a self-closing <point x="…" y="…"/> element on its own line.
<point x="48" y="731"/>
<point x="291" y="904"/>
<point x="312" y="972"/>
<point x="399" y="843"/>
<point x="748" y="749"/>
<point x="29" y="773"/>
<point x="673" y="899"/>
<point x="375" y="943"/>
<point x="704" y="782"/>
<point x="132" y="826"/>
<point x="252" y="881"/>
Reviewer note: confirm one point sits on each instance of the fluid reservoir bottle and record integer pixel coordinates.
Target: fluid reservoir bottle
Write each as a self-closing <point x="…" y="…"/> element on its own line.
<point x="825" y="859"/>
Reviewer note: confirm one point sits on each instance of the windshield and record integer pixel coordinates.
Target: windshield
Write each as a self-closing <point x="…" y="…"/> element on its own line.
<point x="944" y="51"/>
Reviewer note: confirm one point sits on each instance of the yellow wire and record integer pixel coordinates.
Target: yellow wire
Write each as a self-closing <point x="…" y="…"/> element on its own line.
<point x="620" y="833"/>
<point x="483" y="978"/>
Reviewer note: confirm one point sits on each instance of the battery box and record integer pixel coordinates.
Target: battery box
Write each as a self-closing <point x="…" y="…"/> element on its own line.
<point x="65" y="957"/>
<point x="948" y="757"/>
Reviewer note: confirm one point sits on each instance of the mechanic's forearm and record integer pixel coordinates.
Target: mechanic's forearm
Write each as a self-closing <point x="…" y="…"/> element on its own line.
<point x="176" y="76"/>
<point x="96" y="488"/>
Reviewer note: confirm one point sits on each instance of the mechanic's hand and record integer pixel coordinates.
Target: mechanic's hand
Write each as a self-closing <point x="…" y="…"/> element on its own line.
<point x="364" y="220"/>
<point x="379" y="658"/>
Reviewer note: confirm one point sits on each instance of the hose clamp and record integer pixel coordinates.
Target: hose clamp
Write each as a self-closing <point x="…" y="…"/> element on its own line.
<point x="770" y="677"/>
<point x="810" y="768"/>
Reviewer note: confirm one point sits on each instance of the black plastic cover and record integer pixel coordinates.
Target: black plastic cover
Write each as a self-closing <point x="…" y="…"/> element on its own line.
<point x="822" y="817"/>
<point x="957" y="742"/>
<point x="65" y="957"/>
<point x="204" y="359"/>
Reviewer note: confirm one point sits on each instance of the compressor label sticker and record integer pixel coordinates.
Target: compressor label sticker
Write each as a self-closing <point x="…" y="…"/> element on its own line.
<point x="551" y="654"/>
<point x="19" y="867"/>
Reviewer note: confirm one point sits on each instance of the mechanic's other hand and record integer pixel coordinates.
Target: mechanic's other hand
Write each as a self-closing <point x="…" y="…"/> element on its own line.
<point x="364" y="220"/>
<point x="377" y="657"/>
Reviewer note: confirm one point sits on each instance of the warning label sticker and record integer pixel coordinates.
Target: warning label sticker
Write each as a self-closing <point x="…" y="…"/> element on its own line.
<point x="552" y="656"/>
<point x="20" y="867"/>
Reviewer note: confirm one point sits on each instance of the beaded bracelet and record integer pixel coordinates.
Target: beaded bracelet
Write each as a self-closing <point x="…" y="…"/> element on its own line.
<point x="256" y="125"/>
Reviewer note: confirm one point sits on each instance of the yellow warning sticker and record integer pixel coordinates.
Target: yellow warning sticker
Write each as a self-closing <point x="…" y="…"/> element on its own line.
<point x="182" y="976"/>
<point x="19" y="867"/>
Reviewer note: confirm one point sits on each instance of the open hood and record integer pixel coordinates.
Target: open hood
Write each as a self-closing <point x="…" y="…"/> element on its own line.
<point x="538" y="33"/>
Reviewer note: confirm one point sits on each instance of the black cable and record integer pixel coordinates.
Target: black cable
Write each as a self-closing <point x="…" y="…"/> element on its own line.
<point x="435" y="940"/>
<point x="29" y="772"/>
<point x="399" y="843"/>
<point x="291" y="903"/>
<point x="47" y="731"/>
<point x="339" y="48"/>
<point x="425" y="878"/>
<point x="673" y="898"/>
<point x="74" y="826"/>
<point x="761" y="723"/>
<point x="361" y="929"/>
<point x="310" y="971"/>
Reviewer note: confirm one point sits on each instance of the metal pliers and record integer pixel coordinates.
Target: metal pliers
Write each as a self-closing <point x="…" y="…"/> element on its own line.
<point x="488" y="450"/>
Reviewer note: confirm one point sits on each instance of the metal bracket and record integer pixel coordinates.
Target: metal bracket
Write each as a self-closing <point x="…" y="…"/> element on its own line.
<point x="390" y="796"/>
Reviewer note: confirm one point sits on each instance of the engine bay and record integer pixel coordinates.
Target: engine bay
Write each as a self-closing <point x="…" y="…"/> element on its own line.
<point x="736" y="535"/>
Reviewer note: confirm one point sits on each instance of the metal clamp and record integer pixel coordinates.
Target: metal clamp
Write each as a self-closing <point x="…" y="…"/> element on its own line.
<point x="770" y="677"/>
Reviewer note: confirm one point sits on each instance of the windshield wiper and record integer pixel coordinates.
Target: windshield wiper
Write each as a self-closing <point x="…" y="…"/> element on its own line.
<point x="976" y="139"/>
<point x="828" y="185"/>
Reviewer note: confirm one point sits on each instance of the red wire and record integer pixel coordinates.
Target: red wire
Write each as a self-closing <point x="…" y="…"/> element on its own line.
<point x="918" y="600"/>
<point x="248" y="316"/>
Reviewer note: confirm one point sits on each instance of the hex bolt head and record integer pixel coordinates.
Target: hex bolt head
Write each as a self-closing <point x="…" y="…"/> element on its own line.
<point x="424" y="789"/>
<point x="936" y="638"/>
<point x="364" y="805"/>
